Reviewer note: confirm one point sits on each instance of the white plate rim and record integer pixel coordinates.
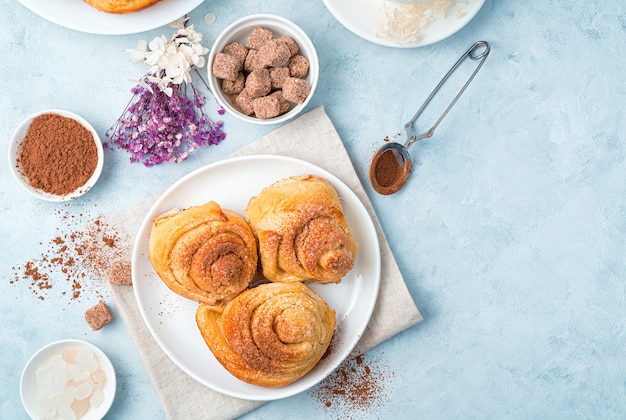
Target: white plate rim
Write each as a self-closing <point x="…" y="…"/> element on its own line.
<point x="359" y="304"/>
<point x="367" y="10"/>
<point x="28" y="374"/>
<point x="79" y="16"/>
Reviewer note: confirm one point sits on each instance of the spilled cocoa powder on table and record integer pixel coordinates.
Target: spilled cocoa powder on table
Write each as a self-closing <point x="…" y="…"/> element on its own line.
<point x="76" y="262"/>
<point x="359" y="386"/>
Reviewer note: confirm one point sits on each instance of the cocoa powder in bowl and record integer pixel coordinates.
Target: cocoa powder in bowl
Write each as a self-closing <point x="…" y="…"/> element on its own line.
<point x="58" y="155"/>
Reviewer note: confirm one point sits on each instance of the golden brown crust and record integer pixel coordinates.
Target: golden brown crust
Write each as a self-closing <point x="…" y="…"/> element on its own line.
<point x="270" y="335"/>
<point x="121" y="6"/>
<point x="302" y="231"/>
<point x="204" y="253"/>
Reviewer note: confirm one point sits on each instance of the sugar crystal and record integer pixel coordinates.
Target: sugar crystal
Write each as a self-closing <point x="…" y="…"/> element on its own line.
<point x="97" y="398"/>
<point x="66" y="413"/>
<point x="80" y="407"/>
<point x="83" y="390"/>
<point x="84" y="357"/>
<point x="69" y="383"/>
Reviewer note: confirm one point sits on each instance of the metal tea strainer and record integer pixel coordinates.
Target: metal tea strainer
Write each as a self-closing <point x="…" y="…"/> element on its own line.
<point x="393" y="158"/>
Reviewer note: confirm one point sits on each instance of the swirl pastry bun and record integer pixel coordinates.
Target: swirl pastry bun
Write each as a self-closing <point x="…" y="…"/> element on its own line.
<point x="121" y="6"/>
<point x="302" y="231"/>
<point x="204" y="253"/>
<point x="270" y="335"/>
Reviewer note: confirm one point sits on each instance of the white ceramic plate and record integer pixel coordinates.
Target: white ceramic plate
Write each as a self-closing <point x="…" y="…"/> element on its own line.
<point x="361" y="16"/>
<point x="78" y="15"/>
<point x="29" y="384"/>
<point x="171" y="318"/>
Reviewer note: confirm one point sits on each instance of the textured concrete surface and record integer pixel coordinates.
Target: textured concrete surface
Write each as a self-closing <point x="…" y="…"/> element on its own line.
<point x="511" y="233"/>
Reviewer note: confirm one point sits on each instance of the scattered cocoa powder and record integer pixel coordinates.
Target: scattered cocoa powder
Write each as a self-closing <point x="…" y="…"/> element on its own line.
<point x="355" y="388"/>
<point x="76" y="261"/>
<point x="58" y="154"/>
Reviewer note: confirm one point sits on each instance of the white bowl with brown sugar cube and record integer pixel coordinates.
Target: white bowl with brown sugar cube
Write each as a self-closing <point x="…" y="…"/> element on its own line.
<point x="68" y="379"/>
<point x="263" y="69"/>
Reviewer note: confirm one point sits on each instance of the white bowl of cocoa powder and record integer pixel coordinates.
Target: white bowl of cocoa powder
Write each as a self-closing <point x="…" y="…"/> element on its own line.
<point x="56" y="155"/>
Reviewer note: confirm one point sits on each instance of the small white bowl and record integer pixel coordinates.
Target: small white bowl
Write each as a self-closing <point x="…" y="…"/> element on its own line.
<point x="239" y="31"/>
<point x="29" y="384"/>
<point x="14" y="154"/>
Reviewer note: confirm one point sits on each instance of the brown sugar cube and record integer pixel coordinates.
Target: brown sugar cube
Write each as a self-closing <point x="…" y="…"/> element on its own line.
<point x="121" y="273"/>
<point x="278" y="76"/>
<point x="252" y="61"/>
<point x="258" y="37"/>
<point x="98" y="316"/>
<point x="244" y="103"/>
<point x="296" y="90"/>
<point x="284" y="104"/>
<point x="298" y="66"/>
<point x="258" y="83"/>
<point x="236" y="50"/>
<point x="232" y="99"/>
<point x="226" y="67"/>
<point x="274" y="54"/>
<point x="266" y="107"/>
<point x="291" y="44"/>
<point x="234" y="87"/>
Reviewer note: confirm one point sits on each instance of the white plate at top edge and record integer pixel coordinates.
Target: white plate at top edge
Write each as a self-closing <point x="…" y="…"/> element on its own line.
<point x="361" y="16"/>
<point x="171" y="318"/>
<point x="79" y="16"/>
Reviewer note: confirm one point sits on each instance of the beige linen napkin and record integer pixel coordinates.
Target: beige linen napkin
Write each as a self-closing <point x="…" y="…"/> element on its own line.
<point x="313" y="138"/>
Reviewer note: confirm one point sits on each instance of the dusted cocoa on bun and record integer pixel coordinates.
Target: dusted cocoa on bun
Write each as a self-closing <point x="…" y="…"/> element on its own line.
<point x="302" y="232"/>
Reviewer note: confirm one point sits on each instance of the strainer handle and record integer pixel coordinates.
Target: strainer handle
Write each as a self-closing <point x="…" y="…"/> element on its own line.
<point x="479" y="51"/>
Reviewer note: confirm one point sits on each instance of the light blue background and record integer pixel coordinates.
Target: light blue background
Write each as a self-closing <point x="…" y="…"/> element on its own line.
<point x="511" y="234"/>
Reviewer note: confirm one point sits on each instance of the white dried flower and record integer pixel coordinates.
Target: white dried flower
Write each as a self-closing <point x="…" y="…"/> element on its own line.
<point x="171" y="61"/>
<point x="179" y="23"/>
<point x="137" y="54"/>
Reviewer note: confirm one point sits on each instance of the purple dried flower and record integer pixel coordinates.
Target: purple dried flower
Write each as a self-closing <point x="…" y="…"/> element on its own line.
<point x="166" y="125"/>
<point x="157" y="128"/>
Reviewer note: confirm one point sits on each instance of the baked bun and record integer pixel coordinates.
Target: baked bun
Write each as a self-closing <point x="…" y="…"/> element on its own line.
<point x="121" y="6"/>
<point x="203" y="253"/>
<point x="302" y="231"/>
<point x="270" y="335"/>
